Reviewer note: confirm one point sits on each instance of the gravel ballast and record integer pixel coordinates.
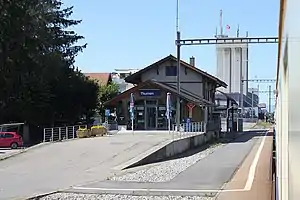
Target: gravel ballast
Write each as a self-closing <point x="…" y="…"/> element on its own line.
<point x="71" y="196"/>
<point x="165" y="171"/>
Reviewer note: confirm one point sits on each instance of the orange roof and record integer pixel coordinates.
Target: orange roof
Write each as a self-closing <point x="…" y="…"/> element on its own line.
<point x="101" y="78"/>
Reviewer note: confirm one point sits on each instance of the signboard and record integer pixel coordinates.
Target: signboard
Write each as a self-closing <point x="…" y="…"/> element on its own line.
<point x="131" y="105"/>
<point x="168" y="111"/>
<point x="107" y="112"/>
<point x="150" y="93"/>
<point x="190" y="107"/>
<point x="168" y="106"/>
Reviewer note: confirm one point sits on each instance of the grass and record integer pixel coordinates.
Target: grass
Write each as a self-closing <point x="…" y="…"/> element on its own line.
<point x="263" y="124"/>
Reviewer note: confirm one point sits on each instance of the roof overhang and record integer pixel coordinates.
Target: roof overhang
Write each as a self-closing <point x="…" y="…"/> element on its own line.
<point x="227" y="97"/>
<point x="184" y="94"/>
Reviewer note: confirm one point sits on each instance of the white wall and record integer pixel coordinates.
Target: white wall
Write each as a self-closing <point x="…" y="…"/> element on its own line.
<point x="223" y="66"/>
<point x="287" y="106"/>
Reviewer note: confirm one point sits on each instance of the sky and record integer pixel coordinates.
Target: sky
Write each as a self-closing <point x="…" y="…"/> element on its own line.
<point x="136" y="33"/>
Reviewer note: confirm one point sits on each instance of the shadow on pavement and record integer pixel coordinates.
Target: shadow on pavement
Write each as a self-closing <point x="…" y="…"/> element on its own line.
<point x="241" y="137"/>
<point x="230" y="138"/>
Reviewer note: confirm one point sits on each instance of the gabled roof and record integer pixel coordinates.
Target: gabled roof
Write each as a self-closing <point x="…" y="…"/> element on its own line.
<point x="133" y="78"/>
<point x="101" y="78"/>
<point x="183" y="94"/>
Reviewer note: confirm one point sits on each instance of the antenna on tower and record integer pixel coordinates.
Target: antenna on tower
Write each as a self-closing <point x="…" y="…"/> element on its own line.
<point x="221" y="23"/>
<point x="177" y="15"/>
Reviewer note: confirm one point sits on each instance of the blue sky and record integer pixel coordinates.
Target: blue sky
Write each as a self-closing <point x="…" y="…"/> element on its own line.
<point x="135" y="33"/>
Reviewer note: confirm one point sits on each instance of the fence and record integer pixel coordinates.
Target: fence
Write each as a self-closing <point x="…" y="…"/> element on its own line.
<point x="190" y="127"/>
<point x="61" y="133"/>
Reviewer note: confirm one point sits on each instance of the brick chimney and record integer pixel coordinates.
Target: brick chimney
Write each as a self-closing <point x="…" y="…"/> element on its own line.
<point x="192" y="61"/>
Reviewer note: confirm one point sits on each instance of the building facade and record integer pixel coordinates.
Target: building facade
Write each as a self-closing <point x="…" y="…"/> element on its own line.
<point x="232" y="66"/>
<point x="197" y="90"/>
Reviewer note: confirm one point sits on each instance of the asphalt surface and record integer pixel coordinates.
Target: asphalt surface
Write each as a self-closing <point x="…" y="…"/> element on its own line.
<point x="6" y="152"/>
<point x="60" y="165"/>
<point x="209" y="173"/>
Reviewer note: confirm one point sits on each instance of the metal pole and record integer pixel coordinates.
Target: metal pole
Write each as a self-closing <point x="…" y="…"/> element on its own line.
<point x="230" y="70"/>
<point x="258" y="93"/>
<point x="177" y="15"/>
<point x="247" y="64"/>
<point x="44" y="134"/>
<point x="178" y="82"/>
<point x="252" y="106"/>
<point x="59" y="133"/>
<point x="241" y="83"/>
<point x="270" y="94"/>
<point x="67" y="133"/>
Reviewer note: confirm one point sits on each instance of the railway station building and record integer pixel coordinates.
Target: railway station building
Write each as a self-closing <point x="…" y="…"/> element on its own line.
<point x="151" y="85"/>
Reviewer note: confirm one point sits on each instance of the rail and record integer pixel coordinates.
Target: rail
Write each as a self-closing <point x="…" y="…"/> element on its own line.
<point x="191" y="127"/>
<point x="61" y="133"/>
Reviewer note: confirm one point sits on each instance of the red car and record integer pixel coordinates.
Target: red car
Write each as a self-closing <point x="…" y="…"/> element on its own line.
<point x="10" y="139"/>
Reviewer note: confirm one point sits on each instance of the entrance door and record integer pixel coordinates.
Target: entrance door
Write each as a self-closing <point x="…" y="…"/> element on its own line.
<point x="151" y="118"/>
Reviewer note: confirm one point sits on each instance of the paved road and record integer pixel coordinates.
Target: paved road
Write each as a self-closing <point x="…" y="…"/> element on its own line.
<point x="261" y="187"/>
<point x="209" y="173"/>
<point x="61" y="165"/>
<point x="5" y="152"/>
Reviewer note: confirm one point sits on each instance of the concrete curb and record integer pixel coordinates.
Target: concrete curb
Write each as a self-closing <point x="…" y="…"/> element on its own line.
<point x="37" y="197"/>
<point x="165" y="144"/>
<point x="142" y="156"/>
<point x="22" y="151"/>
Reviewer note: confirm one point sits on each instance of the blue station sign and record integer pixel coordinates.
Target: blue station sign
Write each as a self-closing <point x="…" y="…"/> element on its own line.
<point x="150" y="92"/>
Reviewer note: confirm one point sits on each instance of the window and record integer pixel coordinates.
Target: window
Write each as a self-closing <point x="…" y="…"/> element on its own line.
<point x="8" y="135"/>
<point x="171" y="71"/>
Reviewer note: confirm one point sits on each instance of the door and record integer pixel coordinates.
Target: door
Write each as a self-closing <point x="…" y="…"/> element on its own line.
<point x="1" y="139"/>
<point x="151" y="118"/>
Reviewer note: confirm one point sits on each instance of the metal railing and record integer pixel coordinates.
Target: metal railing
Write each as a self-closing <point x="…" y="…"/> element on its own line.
<point x="61" y="133"/>
<point x="193" y="127"/>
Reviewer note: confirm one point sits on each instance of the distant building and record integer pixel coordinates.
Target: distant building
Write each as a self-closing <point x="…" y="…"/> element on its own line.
<point x="118" y="77"/>
<point x="255" y="96"/>
<point x="100" y="78"/>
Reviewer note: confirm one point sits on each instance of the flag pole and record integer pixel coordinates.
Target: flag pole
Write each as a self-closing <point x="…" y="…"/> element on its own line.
<point x="168" y="113"/>
<point x="132" y="111"/>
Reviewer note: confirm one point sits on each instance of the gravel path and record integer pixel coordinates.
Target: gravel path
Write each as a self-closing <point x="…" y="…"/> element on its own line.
<point x="165" y="171"/>
<point x="70" y="196"/>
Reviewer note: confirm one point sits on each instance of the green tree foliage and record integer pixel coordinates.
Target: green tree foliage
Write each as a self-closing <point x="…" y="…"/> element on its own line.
<point x="106" y="93"/>
<point x="38" y="81"/>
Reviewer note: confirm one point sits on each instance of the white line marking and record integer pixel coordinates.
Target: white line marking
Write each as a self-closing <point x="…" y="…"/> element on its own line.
<point x="253" y="166"/>
<point x="152" y="190"/>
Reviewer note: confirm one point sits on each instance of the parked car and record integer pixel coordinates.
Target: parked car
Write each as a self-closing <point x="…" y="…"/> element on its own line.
<point x="10" y="139"/>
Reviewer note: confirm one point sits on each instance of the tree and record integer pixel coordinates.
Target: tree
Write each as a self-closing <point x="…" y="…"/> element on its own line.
<point x="38" y="80"/>
<point x="107" y="92"/>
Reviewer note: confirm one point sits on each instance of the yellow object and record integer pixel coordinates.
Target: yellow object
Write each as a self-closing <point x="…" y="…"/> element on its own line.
<point x="98" y="131"/>
<point x="83" y="133"/>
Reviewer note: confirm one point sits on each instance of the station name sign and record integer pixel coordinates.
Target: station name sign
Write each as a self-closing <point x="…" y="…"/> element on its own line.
<point x="150" y="92"/>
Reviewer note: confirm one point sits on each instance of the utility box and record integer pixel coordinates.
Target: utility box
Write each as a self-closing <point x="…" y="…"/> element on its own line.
<point x="240" y="125"/>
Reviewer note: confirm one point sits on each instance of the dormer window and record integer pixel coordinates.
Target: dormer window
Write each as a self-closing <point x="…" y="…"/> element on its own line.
<point x="171" y="70"/>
